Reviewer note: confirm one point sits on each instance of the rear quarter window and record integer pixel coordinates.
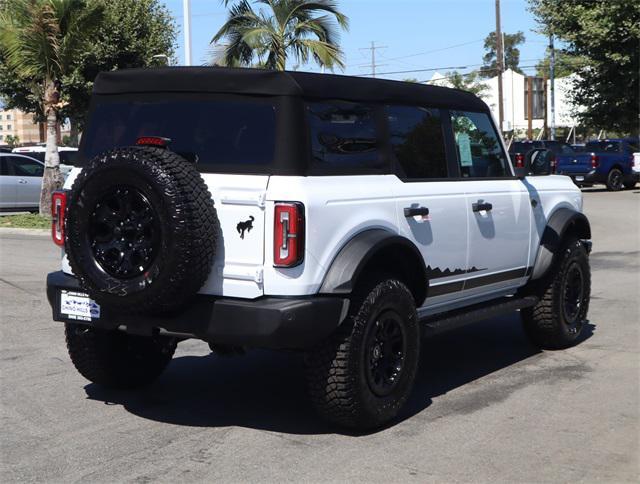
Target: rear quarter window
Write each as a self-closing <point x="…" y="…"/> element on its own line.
<point x="344" y="138"/>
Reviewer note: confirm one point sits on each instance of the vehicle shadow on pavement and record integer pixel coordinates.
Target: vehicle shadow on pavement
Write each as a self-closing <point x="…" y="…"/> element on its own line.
<point x="266" y="390"/>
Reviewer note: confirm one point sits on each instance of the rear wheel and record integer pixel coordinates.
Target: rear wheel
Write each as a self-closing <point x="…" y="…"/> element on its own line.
<point x="363" y="375"/>
<point x="559" y="317"/>
<point x="117" y="359"/>
<point x="615" y="180"/>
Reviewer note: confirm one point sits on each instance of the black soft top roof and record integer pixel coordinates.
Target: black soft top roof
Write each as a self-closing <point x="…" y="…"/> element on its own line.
<point x="262" y="82"/>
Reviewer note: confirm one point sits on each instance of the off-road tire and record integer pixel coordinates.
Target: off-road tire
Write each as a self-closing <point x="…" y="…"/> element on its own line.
<point x="116" y="359"/>
<point x="185" y="234"/>
<point x="614" y="180"/>
<point x="336" y="369"/>
<point x="546" y="323"/>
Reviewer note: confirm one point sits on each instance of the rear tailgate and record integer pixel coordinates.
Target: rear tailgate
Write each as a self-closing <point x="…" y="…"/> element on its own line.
<point x="573" y="164"/>
<point x="240" y="204"/>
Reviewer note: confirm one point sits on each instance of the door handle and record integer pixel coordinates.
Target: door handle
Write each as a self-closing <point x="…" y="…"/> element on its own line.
<point x="22" y="181"/>
<point x="480" y="206"/>
<point x="414" y="211"/>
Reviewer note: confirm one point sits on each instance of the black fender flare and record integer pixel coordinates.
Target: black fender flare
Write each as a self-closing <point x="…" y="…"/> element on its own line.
<point x="560" y="222"/>
<point x="354" y="256"/>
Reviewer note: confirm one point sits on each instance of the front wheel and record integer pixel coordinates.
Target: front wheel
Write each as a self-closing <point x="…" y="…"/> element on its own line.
<point x="558" y="319"/>
<point x="363" y="375"/>
<point x="615" y="180"/>
<point x="116" y="359"/>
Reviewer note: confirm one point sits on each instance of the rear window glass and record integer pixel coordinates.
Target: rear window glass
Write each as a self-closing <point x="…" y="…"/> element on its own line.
<point x="343" y="137"/>
<point x="68" y="157"/>
<point x="607" y="146"/>
<point x="560" y="148"/>
<point x="211" y="132"/>
<point x="522" y="147"/>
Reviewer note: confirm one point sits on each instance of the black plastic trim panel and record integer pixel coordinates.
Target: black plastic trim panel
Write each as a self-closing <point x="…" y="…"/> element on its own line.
<point x="266" y="322"/>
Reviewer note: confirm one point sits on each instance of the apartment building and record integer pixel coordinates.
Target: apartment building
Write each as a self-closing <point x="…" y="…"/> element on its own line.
<point x="14" y="122"/>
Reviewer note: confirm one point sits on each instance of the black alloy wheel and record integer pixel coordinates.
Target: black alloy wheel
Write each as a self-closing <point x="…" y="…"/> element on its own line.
<point x="615" y="180"/>
<point x="385" y="353"/>
<point x="124" y="232"/>
<point x="573" y="295"/>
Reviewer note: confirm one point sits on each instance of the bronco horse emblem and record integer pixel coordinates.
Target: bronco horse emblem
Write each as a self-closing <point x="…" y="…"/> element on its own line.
<point x="247" y="225"/>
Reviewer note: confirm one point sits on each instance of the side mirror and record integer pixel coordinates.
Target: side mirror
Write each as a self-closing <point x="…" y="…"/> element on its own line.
<point x="538" y="161"/>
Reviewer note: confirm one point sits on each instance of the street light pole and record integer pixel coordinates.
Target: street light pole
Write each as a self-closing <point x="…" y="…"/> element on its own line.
<point x="186" y="13"/>
<point x="552" y="80"/>
<point x="499" y="58"/>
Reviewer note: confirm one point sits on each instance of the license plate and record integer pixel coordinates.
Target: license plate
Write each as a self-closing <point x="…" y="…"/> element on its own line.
<point x="579" y="178"/>
<point x="78" y="306"/>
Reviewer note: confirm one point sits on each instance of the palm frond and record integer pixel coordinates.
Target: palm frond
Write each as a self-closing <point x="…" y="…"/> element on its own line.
<point x="283" y="27"/>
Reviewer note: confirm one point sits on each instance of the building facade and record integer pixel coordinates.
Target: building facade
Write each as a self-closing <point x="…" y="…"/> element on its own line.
<point x="15" y="123"/>
<point x="515" y="101"/>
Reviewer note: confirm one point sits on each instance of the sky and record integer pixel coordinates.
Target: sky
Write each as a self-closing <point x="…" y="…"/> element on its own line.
<point x="415" y="35"/>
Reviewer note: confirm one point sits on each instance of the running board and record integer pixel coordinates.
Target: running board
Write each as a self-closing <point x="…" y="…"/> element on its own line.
<point x="461" y="317"/>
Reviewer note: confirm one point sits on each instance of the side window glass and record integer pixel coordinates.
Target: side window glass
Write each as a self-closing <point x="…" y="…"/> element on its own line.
<point x="480" y="153"/>
<point x="4" y="166"/>
<point x="25" y="167"/>
<point x="417" y="141"/>
<point x="343" y="136"/>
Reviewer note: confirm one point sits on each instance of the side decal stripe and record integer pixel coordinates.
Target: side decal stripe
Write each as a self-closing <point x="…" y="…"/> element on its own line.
<point x="480" y="281"/>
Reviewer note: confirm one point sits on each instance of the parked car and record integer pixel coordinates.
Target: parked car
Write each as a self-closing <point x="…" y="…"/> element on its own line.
<point x="338" y="216"/>
<point x="68" y="156"/>
<point x="610" y="161"/>
<point x="20" y="182"/>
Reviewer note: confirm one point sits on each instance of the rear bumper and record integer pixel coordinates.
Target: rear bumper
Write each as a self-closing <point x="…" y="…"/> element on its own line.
<point x="586" y="177"/>
<point x="266" y="322"/>
<point x="591" y="177"/>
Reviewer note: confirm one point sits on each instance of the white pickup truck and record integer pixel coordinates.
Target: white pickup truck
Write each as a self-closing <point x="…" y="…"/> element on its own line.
<point x="344" y="217"/>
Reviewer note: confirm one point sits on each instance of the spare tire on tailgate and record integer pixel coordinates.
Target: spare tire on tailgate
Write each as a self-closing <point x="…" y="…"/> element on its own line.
<point x="141" y="229"/>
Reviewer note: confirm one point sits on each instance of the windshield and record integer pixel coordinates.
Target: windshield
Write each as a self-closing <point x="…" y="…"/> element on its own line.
<point x="210" y="132"/>
<point x="607" y="146"/>
<point x="560" y="148"/>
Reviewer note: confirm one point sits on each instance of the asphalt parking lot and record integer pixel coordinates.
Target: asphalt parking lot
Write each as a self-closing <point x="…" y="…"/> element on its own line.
<point x="487" y="405"/>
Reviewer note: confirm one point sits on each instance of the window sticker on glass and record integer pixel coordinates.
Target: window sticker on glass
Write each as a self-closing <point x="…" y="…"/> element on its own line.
<point x="464" y="146"/>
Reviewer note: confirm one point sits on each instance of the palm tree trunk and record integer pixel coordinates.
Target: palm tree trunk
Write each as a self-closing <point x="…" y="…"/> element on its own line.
<point x="52" y="179"/>
<point x="281" y="57"/>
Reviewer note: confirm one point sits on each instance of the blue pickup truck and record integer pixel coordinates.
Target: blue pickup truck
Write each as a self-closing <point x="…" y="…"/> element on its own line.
<point x="609" y="161"/>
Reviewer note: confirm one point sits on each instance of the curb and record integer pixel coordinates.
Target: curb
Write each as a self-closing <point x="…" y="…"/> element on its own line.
<point x="19" y="231"/>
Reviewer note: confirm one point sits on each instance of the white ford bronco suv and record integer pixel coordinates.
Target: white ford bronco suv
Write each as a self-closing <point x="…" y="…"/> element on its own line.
<point x="339" y="216"/>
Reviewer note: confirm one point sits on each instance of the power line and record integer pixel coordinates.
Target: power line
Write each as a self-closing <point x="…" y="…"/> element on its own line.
<point x="373" y="49"/>
<point x="435" y="50"/>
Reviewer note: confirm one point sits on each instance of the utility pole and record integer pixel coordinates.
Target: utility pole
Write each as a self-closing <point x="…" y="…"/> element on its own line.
<point x="186" y="13"/>
<point x="373" y="49"/>
<point x="499" y="59"/>
<point x="552" y="82"/>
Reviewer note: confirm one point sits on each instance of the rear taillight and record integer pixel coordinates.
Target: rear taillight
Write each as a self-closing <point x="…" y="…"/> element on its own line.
<point x="519" y="160"/>
<point x="595" y="161"/>
<point x="58" y="207"/>
<point x="553" y="163"/>
<point x="288" y="235"/>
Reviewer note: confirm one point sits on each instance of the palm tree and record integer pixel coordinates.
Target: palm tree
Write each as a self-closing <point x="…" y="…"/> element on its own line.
<point x="302" y="28"/>
<point x="39" y="40"/>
